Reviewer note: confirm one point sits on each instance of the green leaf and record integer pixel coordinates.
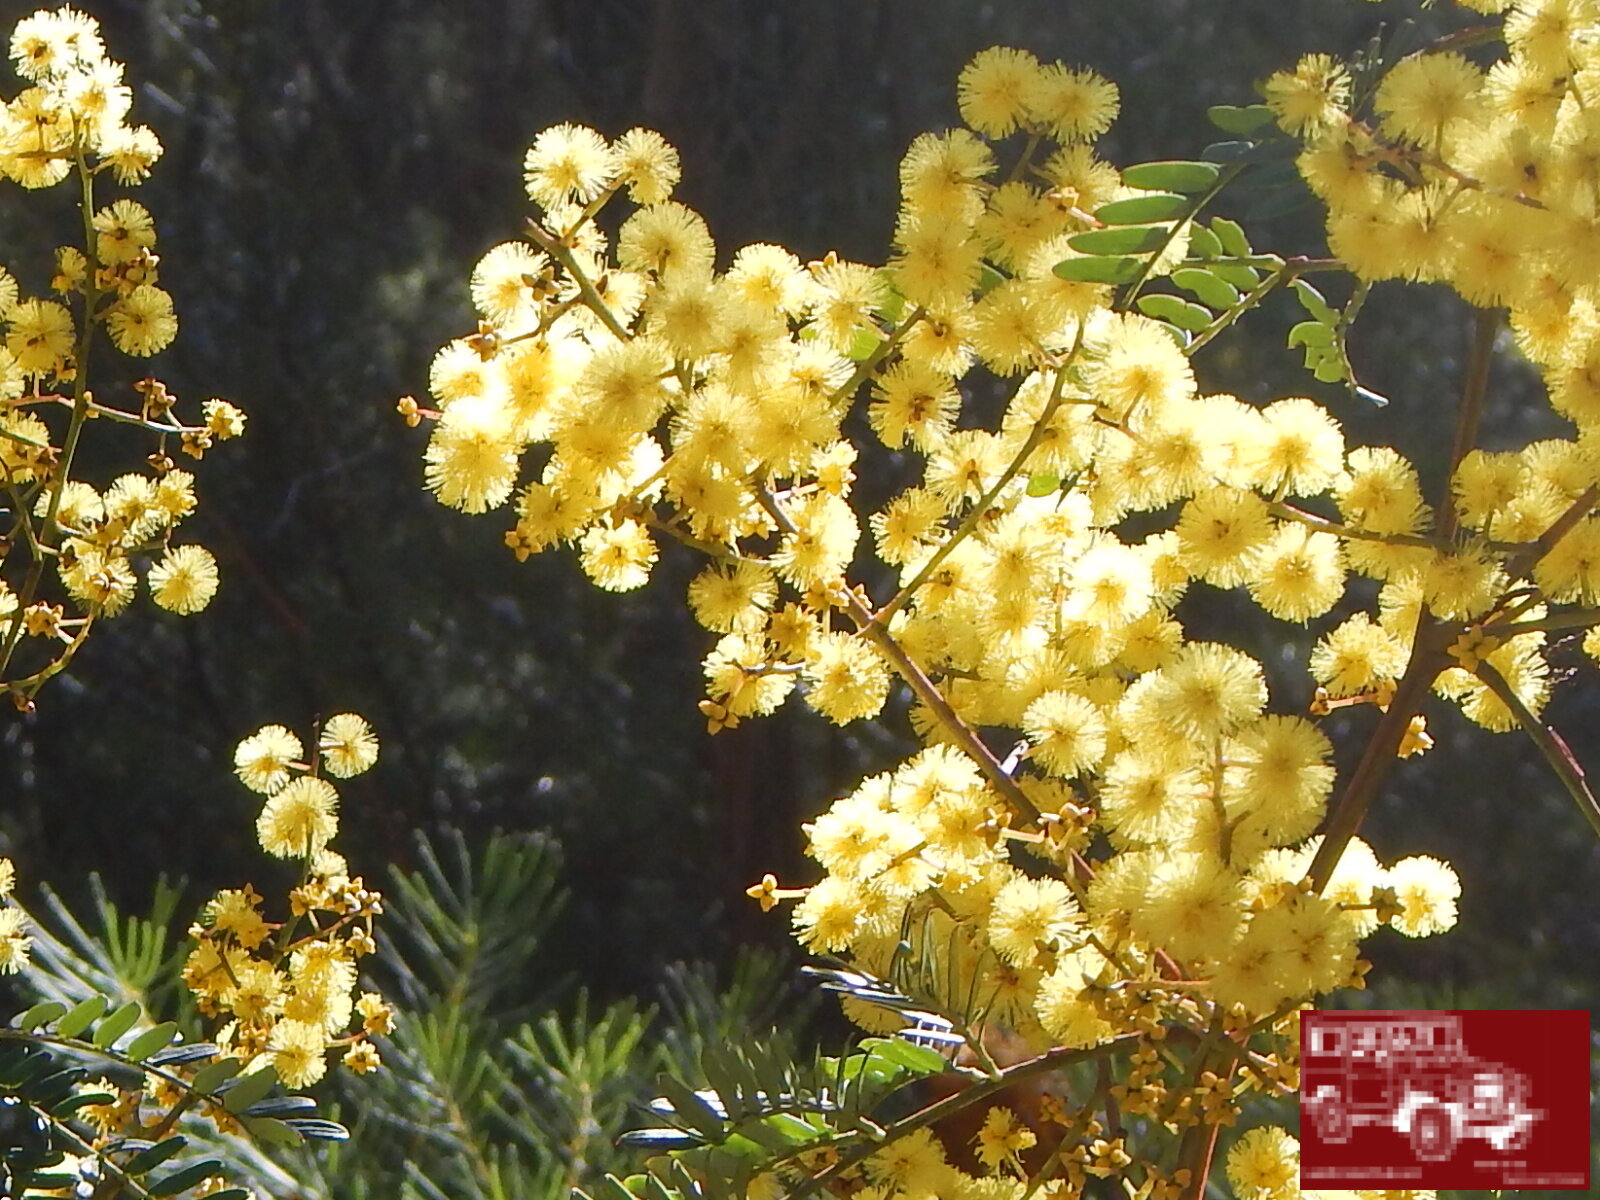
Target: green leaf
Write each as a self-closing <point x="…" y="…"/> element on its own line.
<point x="1164" y="306"/>
<point x="50" y="1090"/>
<point x="184" y="1052"/>
<point x="249" y="1089"/>
<point x="1091" y="269"/>
<point x="1240" y="276"/>
<point x="53" y="1182"/>
<point x="1203" y="242"/>
<point x="862" y="343"/>
<point x="988" y="280"/>
<point x="722" y="1073"/>
<point x="280" y="1106"/>
<point x="316" y="1127"/>
<point x="151" y="1040"/>
<point x="1231" y="235"/>
<point x="30" y="1064"/>
<point x="691" y="1109"/>
<point x="1207" y="286"/>
<point x="186" y="1177"/>
<point x="768" y="1137"/>
<point x="40" y="1014"/>
<point x="270" y="1131"/>
<point x="655" y="1189"/>
<point x="1172" y="176"/>
<point x="1311" y="300"/>
<point x="73" y="1103"/>
<point x="1330" y="369"/>
<point x="117" y="1024"/>
<point x="1232" y="118"/>
<point x="213" y="1075"/>
<point x="1043" y="483"/>
<point x="892" y="309"/>
<point x="924" y="1060"/>
<point x="1311" y="333"/>
<point x="83" y="1015"/>
<point x="1180" y="336"/>
<point x="1138" y="210"/>
<point x="1128" y="239"/>
<point x="152" y="1157"/>
<point x="612" y="1188"/>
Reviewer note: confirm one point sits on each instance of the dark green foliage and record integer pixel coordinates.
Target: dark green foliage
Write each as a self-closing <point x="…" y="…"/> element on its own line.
<point x="500" y="1079"/>
<point x="56" y="1061"/>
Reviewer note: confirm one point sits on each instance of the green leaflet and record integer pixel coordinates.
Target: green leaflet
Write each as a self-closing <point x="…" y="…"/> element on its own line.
<point x="1129" y="239"/>
<point x="1207" y="286"/>
<point x="1238" y="119"/>
<point x="1164" y="306"/>
<point x="1137" y="210"/>
<point x="1176" y="176"/>
<point x="1311" y="300"/>
<point x="1092" y="269"/>
<point x="83" y="1015"/>
<point x="117" y="1024"/>
<point x="1231" y="235"/>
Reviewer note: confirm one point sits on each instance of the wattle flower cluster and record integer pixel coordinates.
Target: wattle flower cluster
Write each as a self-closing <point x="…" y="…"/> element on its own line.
<point x="1145" y="857"/>
<point x="71" y="123"/>
<point x="285" y="992"/>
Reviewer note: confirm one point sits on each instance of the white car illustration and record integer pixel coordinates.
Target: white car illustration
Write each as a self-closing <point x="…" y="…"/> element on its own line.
<point x="1412" y="1072"/>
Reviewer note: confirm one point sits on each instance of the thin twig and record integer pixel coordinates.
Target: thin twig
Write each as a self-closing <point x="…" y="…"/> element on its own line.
<point x="1550" y="743"/>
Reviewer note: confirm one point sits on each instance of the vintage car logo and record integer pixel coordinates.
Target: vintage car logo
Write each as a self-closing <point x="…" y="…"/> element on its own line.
<point x="1433" y="1099"/>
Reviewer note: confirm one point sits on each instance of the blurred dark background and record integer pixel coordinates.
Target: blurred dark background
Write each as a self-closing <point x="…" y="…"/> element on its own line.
<point x="333" y="170"/>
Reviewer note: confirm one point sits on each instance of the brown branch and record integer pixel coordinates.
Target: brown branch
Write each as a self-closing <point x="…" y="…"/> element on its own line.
<point x="1473" y="388"/>
<point x="1377" y="758"/>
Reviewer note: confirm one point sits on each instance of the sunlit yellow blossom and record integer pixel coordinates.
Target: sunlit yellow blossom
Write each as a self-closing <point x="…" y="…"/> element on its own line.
<point x="1264" y="1164"/>
<point x="299" y="818"/>
<point x="15" y="944"/>
<point x="618" y="558"/>
<point x="40" y="338"/>
<point x="1134" y="365"/>
<point x="1194" y="906"/>
<point x="1299" y="574"/>
<point x="845" y="677"/>
<point x="1029" y="913"/>
<point x="471" y="460"/>
<point x="665" y="237"/>
<point x="1427" y="890"/>
<point x="185" y="580"/>
<point x="1310" y="98"/>
<point x="993" y="89"/>
<point x="236" y="912"/>
<point x="263" y="759"/>
<point x="348" y="745"/>
<point x="1073" y="105"/>
<point x="1002" y="1139"/>
<point x="568" y="162"/>
<point x="648" y="164"/>
<point x="132" y="152"/>
<point x="1219" y="533"/>
<point x="298" y="1053"/>
<point x="1425" y="97"/>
